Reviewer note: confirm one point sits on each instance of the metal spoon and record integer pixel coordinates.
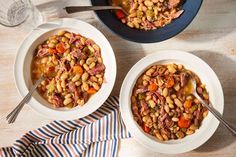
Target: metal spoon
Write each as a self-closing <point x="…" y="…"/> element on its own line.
<point x="74" y="9"/>
<point x="11" y="117"/>
<point x="209" y="107"/>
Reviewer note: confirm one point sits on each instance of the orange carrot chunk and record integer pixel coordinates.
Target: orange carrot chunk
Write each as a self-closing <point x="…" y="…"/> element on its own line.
<point x="183" y="122"/>
<point x="91" y="91"/>
<point x="152" y="87"/>
<point x="188" y="104"/>
<point x="170" y="82"/>
<point x="60" y="47"/>
<point x="146" y="129"/>
<point x="77" y="69"/>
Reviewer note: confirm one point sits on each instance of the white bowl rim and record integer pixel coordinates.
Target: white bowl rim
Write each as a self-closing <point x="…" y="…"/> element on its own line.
<point x="127" y="116"/>
<point x="19" y="62"/>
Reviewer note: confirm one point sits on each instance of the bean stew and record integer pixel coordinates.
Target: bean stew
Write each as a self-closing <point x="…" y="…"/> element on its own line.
<point x="75" y="66"/>
<point x="148" y="14"/>
<point x="160" y="105"/>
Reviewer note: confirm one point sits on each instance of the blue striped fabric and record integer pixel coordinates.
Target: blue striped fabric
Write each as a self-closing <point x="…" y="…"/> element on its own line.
<point x="96" y="135"/>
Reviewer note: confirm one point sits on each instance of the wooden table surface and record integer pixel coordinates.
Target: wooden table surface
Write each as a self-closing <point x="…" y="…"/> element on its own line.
<point x="211" y="36"/>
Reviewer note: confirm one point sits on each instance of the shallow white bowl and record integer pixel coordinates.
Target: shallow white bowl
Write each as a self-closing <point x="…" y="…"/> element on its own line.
<point x="23" y="65"/>
<point x="207" y="76"/>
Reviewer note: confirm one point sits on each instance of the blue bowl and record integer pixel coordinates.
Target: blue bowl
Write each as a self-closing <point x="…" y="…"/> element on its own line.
<point x="190" y="8"/>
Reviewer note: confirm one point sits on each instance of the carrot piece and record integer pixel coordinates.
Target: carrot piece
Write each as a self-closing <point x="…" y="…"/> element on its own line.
<point x="52" y="51"/>
<point x="188" y="104"/>
<point x="152" y="87"/>
<point x="77" y="69"/>
<point x="170" y="82"/>
<point x="120" y="14"/>
<point x="91" y="91"/>
<point x="184" y="123"/>
<point x="60" y="47"/>
<point x="146" y="129"/>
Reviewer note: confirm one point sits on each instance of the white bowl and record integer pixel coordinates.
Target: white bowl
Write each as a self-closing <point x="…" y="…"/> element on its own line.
<point x="207" y="76"/>
<point x="24" y="58"/>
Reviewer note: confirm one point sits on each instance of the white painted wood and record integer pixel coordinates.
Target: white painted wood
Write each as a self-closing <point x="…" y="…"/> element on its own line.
<point x="211" y="36"/>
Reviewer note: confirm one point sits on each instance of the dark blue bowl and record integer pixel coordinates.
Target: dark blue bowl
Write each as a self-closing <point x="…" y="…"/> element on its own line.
<point x="190" y="8"/>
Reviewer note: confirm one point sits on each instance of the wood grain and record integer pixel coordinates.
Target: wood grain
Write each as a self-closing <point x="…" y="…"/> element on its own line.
<point x="211" y="36"/>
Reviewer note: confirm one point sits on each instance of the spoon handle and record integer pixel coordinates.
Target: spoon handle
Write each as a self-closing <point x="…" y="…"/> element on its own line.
<point x="216" y="114"/>
<point x="74" y="9"/>
<point x="11" y="117"/>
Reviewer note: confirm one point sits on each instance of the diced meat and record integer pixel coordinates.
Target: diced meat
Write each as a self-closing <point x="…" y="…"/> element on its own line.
<point x="136" y="113"/>
<point x="85" y="96"/>
<point x="184" y="77"/>
<point x="173" y="3"/>
<point x="72" y="88"/>
<point x="142" y="89"/>
<point x="78" y="54"/>
<point x="169" y="123"/>
<point x="163" y="117"/>
<point x="42" y="52"/>
<point x="89" y="42"/>
<point x="72" y="38"/>
<point x="161" y="98"/>
<point x="144" y="106"/>
<point x="99" y="68"/>
<point x="57" y="100"/>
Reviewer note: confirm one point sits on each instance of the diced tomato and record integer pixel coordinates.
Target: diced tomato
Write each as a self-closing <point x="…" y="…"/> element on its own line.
<point x="170" y="82"/>
<point x="188" y="104"/>
<point x="120" y="14"/>
<point x="183" y="122"/>
<point x="152" y="87"/>
<point x="77" y="69"/>
<point x="52" y="51"/>
<point x="60" y="47"/>
<point x="91" y="91"/>
<point x="146" y="129"/>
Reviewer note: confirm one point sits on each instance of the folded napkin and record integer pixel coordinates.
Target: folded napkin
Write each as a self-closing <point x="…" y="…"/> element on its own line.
<point x="96" y="135"/>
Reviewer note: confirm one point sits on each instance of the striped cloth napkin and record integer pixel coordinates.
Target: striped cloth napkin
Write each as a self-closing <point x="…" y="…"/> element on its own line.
<point x="96" y="135"/>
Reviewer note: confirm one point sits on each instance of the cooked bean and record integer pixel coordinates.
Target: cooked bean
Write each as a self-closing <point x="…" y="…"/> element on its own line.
<point x="82" y="61"/>
<point x="68" y="35"/>
<point x="168" y="100"/>
<point x="158" y="135"/>
<point x="92" y="65"/>
<point x="85" y="76"/>
<point x="80" y="102"/>
<point x="64" y="76"/>
<point x="150" y="72"/>
<point x="100" y="60"/>
<point x="167" y="109"/>
<point x="61" y="32"/>
<point x="78" y="83"/>
<point x="96" y="86"/>
<point x="64" y="39"/>
<point x="189" y="132"/>
<point x="90" y="60"/>
<point x="59" y="87"/>
<point x="165" y="92"/>
<point x="85" y="86"/>
<point x="67" y="101"/>
<point x="76" y="77"/>
<point x="175" y="119"/>
<point x="180" y="134"/>
<point x="178" y="102"/>
<point x="68" y="95"/>
<point x="86" y="66"/>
